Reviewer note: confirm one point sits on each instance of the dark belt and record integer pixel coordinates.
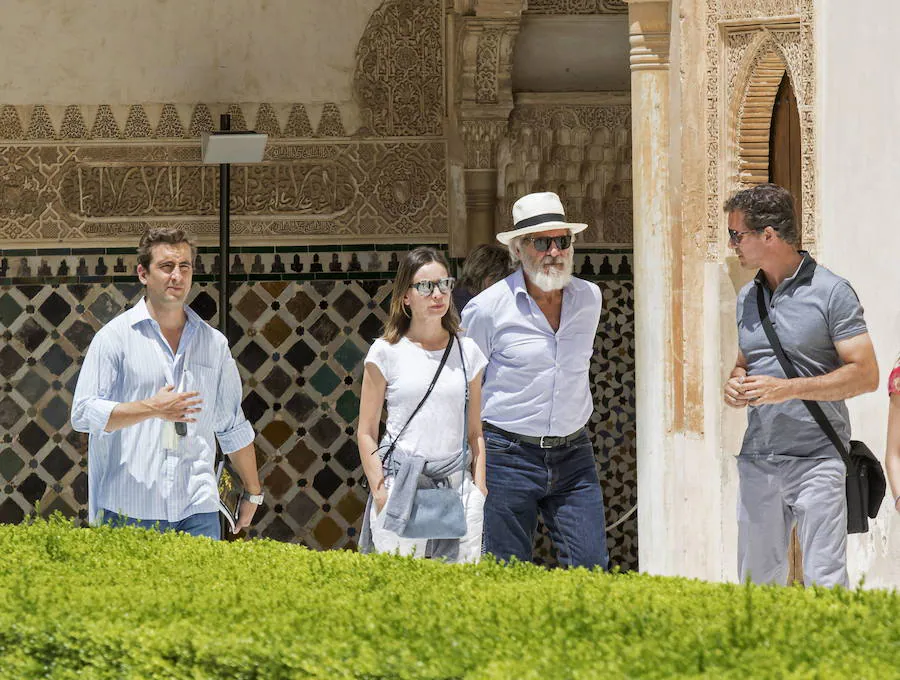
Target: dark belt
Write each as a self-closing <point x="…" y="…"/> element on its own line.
<point x="545" y="442"/>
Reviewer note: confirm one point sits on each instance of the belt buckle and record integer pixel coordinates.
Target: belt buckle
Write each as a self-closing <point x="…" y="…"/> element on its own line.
<point x="543" y="437"/>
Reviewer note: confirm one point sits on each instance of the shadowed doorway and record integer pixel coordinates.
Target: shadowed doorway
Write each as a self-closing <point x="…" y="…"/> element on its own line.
<point x="785" y="170"/>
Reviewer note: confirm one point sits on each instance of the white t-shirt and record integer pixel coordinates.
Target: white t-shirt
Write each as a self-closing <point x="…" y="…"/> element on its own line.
<point x="437" y="430"/>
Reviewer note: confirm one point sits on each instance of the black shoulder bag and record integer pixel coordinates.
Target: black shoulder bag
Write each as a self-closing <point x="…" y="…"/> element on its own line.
<point x="865" y="477"/>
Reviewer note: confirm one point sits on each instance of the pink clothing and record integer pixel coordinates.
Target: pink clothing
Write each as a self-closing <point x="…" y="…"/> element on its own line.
<point x="894" y="381"/>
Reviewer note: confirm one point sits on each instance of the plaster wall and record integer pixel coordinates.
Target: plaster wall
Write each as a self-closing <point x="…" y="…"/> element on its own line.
<point x="572" y="53"/>
<point x="691" y="530"/>
<point x="859" y="95"/>
<point x="60" y="52"/>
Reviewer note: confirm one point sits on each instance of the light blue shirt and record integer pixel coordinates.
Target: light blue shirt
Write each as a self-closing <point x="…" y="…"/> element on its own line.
<point x="536" y="382"/>
<point x="130" y="471"/>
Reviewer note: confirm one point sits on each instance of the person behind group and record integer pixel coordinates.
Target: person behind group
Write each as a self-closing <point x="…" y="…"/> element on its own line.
<point x="158" y="386"/>
<point x="892" y="453"/>
<point x="485" y="265"/>
<point x="398" y="370"/>
<point x="789" y="471"/>
<point x="537" y="328"/>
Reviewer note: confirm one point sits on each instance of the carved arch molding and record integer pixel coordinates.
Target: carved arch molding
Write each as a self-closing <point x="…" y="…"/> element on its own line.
<point x="756" y="42"/>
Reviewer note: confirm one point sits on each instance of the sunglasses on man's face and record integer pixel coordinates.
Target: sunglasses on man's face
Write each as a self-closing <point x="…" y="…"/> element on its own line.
<point x="542" y="243"/>
<point x="736" y="237"/>
<point x="444" y="285"/>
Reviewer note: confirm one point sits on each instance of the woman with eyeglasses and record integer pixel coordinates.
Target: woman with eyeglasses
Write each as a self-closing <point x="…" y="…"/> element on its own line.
<point x="426" y="374"/>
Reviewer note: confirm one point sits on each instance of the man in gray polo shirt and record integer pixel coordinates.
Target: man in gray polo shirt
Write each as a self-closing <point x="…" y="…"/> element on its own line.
<point x="788" y="469"/>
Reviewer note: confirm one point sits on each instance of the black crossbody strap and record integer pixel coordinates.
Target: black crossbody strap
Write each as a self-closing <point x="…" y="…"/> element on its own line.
<point x="424" y="399"/>
<point x="791" y="372"/>
<point x="462" y="360"/>
<point x="465" y="441"/>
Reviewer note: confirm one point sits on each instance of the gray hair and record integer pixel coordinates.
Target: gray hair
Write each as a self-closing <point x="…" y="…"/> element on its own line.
<point x="513" y="246"/>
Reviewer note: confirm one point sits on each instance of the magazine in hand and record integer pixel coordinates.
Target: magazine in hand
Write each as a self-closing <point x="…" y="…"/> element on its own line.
<point x="229" y="495"/>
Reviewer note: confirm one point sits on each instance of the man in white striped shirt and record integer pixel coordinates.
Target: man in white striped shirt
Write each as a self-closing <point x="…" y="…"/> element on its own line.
<point x="157" y="387"/>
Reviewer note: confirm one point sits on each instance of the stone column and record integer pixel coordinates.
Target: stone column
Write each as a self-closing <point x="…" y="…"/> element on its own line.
<point x="653" y="278"/>
<point x="480" y="137"/>
<point x="485" y="34"/>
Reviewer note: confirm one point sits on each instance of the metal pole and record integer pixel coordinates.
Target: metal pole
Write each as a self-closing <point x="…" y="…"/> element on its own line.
<point x="224" y="260"/>
<point x="224" y="233"/>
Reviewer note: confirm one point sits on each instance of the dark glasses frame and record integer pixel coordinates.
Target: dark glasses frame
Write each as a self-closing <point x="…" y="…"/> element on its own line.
<point x="426" y="288"/>
<point x="542" y="243"/>
<point x="736" y="237"/>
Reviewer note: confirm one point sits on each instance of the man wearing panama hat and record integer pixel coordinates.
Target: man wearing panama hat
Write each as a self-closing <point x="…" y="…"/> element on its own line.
<point x="537" y="328"/>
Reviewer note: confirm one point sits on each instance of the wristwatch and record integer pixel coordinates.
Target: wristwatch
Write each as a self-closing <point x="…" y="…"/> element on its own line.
<point x="256" y="499"/>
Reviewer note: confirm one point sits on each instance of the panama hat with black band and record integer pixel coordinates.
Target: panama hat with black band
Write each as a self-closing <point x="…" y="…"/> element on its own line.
<point x="538" y="212"/>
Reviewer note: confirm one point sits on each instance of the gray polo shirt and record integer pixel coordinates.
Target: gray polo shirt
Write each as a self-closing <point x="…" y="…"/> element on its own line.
<point x="811" y="310"/>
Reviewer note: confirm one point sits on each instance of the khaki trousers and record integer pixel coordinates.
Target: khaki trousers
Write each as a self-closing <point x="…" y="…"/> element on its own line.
<point x="775" y="493"/>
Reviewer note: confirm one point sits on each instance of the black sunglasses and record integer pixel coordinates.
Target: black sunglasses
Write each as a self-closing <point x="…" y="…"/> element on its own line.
<point x="444" y="285"/>
<point x="542" y="243"/>
<point x="736" y="237"/>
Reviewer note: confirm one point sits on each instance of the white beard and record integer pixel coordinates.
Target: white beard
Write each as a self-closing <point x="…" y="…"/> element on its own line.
<point x="555" y="279"/>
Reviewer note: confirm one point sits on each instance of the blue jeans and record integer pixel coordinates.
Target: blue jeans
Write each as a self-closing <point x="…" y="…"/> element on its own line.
<point x="561" y="483"/>
<point x="201" y="524"/>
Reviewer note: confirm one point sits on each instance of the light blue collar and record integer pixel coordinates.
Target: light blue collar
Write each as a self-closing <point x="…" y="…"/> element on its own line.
<point x="140" y="313"/>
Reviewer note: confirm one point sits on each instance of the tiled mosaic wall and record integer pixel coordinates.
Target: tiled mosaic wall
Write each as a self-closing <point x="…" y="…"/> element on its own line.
<point x="302" y="320"/>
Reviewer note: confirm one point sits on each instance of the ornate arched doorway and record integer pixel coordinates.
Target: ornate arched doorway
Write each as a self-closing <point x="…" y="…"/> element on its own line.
<point x="786" y="171"/>
<point x="784" y="145"/>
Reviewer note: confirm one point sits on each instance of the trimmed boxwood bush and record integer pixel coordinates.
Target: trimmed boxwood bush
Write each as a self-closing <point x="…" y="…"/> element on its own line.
<point x="125" y="603"/>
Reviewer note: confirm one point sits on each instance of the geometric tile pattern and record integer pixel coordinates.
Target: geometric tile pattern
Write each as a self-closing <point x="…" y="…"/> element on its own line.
<point x="299" y="341"/>
<point x="300" y="348"/>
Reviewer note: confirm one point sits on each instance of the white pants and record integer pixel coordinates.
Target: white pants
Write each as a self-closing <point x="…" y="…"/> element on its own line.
<point x="775" y="493"/>
<point x="455" y="550"/>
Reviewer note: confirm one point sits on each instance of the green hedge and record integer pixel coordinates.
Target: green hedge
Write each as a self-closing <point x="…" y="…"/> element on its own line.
<point x="106" y="603"/>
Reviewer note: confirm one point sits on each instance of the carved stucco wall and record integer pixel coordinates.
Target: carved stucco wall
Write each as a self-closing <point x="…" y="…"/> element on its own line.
<point x="743" y="39"/>
<point x="115" y="192"/>
<point x="399" y="75"/>
<point x="104" y="172"/>
<point x="580" y="151"/>
<point x="577" y="7"/>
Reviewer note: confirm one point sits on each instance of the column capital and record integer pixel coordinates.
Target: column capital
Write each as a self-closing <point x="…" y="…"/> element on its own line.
<point x="649" y="29"/>
<point x="484" y="96"/>
<point x="480" y="137"/>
